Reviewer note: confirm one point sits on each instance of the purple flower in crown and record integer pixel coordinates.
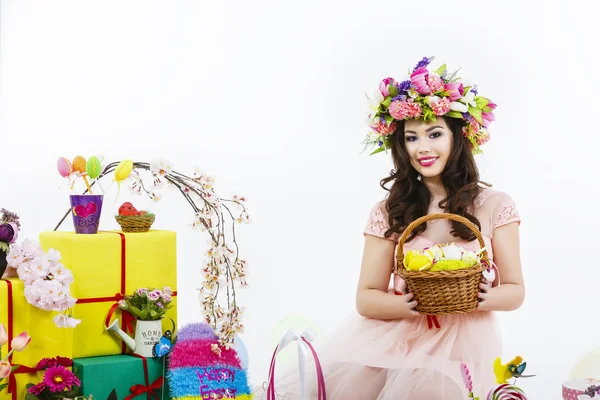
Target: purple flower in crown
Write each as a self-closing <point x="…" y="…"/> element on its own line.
<point x="404" y="86"/>
<point x="425" y="61"/>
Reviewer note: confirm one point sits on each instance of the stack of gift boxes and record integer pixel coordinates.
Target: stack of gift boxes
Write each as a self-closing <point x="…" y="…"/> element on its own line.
<point x="106" y="266"/>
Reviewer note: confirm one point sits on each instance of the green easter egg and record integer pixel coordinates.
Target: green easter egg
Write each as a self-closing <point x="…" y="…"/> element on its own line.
<point x="94" y="167"/>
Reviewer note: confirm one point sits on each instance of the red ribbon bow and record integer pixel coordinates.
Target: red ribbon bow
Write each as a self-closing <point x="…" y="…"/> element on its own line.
<point x="136" y="390"/>
<point x="12" y="380"/>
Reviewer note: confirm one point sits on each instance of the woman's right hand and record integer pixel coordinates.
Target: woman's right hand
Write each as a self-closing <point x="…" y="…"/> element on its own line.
<point x="407" y="304"/>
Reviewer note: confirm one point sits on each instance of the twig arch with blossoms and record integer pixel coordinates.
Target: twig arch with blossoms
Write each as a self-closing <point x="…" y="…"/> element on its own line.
<point x="224" y="267"/>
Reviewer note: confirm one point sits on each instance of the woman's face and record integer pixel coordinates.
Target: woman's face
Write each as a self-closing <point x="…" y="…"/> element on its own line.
<point x="428" y="145"/>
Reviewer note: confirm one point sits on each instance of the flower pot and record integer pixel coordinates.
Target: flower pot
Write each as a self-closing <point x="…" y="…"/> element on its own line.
<point x="147" y="334"/>
<point x="3" y="262"/>
<point x="86" y="209"/>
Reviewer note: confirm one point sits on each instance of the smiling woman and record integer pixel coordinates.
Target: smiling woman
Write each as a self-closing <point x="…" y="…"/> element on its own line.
<point x="433" y="126"/>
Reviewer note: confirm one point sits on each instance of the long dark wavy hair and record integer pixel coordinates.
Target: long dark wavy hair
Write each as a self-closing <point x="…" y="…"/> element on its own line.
<point x="409" y="198"/>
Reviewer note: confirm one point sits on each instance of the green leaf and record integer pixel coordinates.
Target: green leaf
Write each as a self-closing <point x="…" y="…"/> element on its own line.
<point x="486" y="109"/>
<point x="378" y="150"/>
<point x="30" y="396"/>
<point x="154" y="314"/>
<point x="2" y="386"/>
<point x="393" y="89"/>
<point x="135" y="311"/>
<point x="387" y="102"/>
<point x="476" y="113"/>
<point x="466" y="89"/>
<point x="481" y="102"/>
<point x="454" y="114"/>
<point x="441" y="69"/>
<point x="14" y="368"/>
<point x="388" y="118"/>
<point x="4" y="247"/>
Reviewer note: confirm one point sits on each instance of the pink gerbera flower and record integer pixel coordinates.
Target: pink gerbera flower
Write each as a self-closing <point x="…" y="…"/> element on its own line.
<point x="37" y="389"/>
<point x="59" y="379"/>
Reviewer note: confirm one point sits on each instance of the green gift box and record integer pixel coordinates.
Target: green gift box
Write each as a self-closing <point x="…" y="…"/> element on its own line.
<point x="124" y="373"/>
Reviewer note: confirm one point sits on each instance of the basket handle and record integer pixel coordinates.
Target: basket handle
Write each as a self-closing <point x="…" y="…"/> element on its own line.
<point x="430" y="217"/>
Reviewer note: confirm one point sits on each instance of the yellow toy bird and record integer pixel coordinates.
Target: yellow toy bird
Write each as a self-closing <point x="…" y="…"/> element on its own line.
<point x="502" y="372"/>
<point x="415" y="261"/>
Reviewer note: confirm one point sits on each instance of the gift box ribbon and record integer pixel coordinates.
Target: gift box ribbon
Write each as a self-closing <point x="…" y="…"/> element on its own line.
<point x="9" y="303"/>
<point x="22" y="369"/>
<point x="149" y="389"/>
<point x="126" y="318"/>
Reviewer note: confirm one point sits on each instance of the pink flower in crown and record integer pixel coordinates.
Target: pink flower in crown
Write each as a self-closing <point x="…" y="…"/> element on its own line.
<point x="455" y="90"/>
<point x="483" y="137"/>
<point x="435" y="82"/>
<point x="419" y="80"/>
<point x="384" y="86"/>
<point x="489" y="117"/>
<point x="384" y="129"/>
<point x="398" y="109"/>
<point x="440" y="106"/>
<point x="414" y="109"/>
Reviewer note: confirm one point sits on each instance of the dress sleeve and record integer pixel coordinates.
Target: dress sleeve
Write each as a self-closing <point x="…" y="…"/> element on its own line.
<point x="506" y="212"/>
<point x="378" y="224"/>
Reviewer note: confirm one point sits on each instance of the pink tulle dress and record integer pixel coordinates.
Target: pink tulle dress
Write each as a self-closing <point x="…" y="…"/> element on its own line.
<point x="411" y="359"/>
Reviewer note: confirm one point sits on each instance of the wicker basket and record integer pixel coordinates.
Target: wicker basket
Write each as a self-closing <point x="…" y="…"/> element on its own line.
<point x="443" y="292"/>
<point x="135" y="223"/>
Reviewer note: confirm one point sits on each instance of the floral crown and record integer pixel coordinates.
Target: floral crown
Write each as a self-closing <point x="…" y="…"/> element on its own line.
<point x="425" y="95"/>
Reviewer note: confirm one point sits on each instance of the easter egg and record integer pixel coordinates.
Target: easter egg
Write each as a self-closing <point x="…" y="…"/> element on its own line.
<point x="64" y="166"/>
<point x="123" y="170"/>
<point x="94" y="167"/>
<point x="79" y="164"/>
<point x="127" y="209"/>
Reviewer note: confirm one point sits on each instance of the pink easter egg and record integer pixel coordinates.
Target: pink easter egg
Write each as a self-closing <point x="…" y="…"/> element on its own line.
<point x="64" y="167"/>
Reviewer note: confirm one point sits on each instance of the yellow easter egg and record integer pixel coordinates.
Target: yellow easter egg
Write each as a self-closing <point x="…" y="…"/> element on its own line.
<point x="123" y="170"/>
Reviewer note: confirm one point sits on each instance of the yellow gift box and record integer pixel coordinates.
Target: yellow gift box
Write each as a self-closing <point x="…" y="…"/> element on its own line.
<point x="47" y="340"/>
<point x="106" y="266"/>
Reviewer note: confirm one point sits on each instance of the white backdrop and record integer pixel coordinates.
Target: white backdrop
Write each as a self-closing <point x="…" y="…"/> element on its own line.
<point x="268" y="96"/>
